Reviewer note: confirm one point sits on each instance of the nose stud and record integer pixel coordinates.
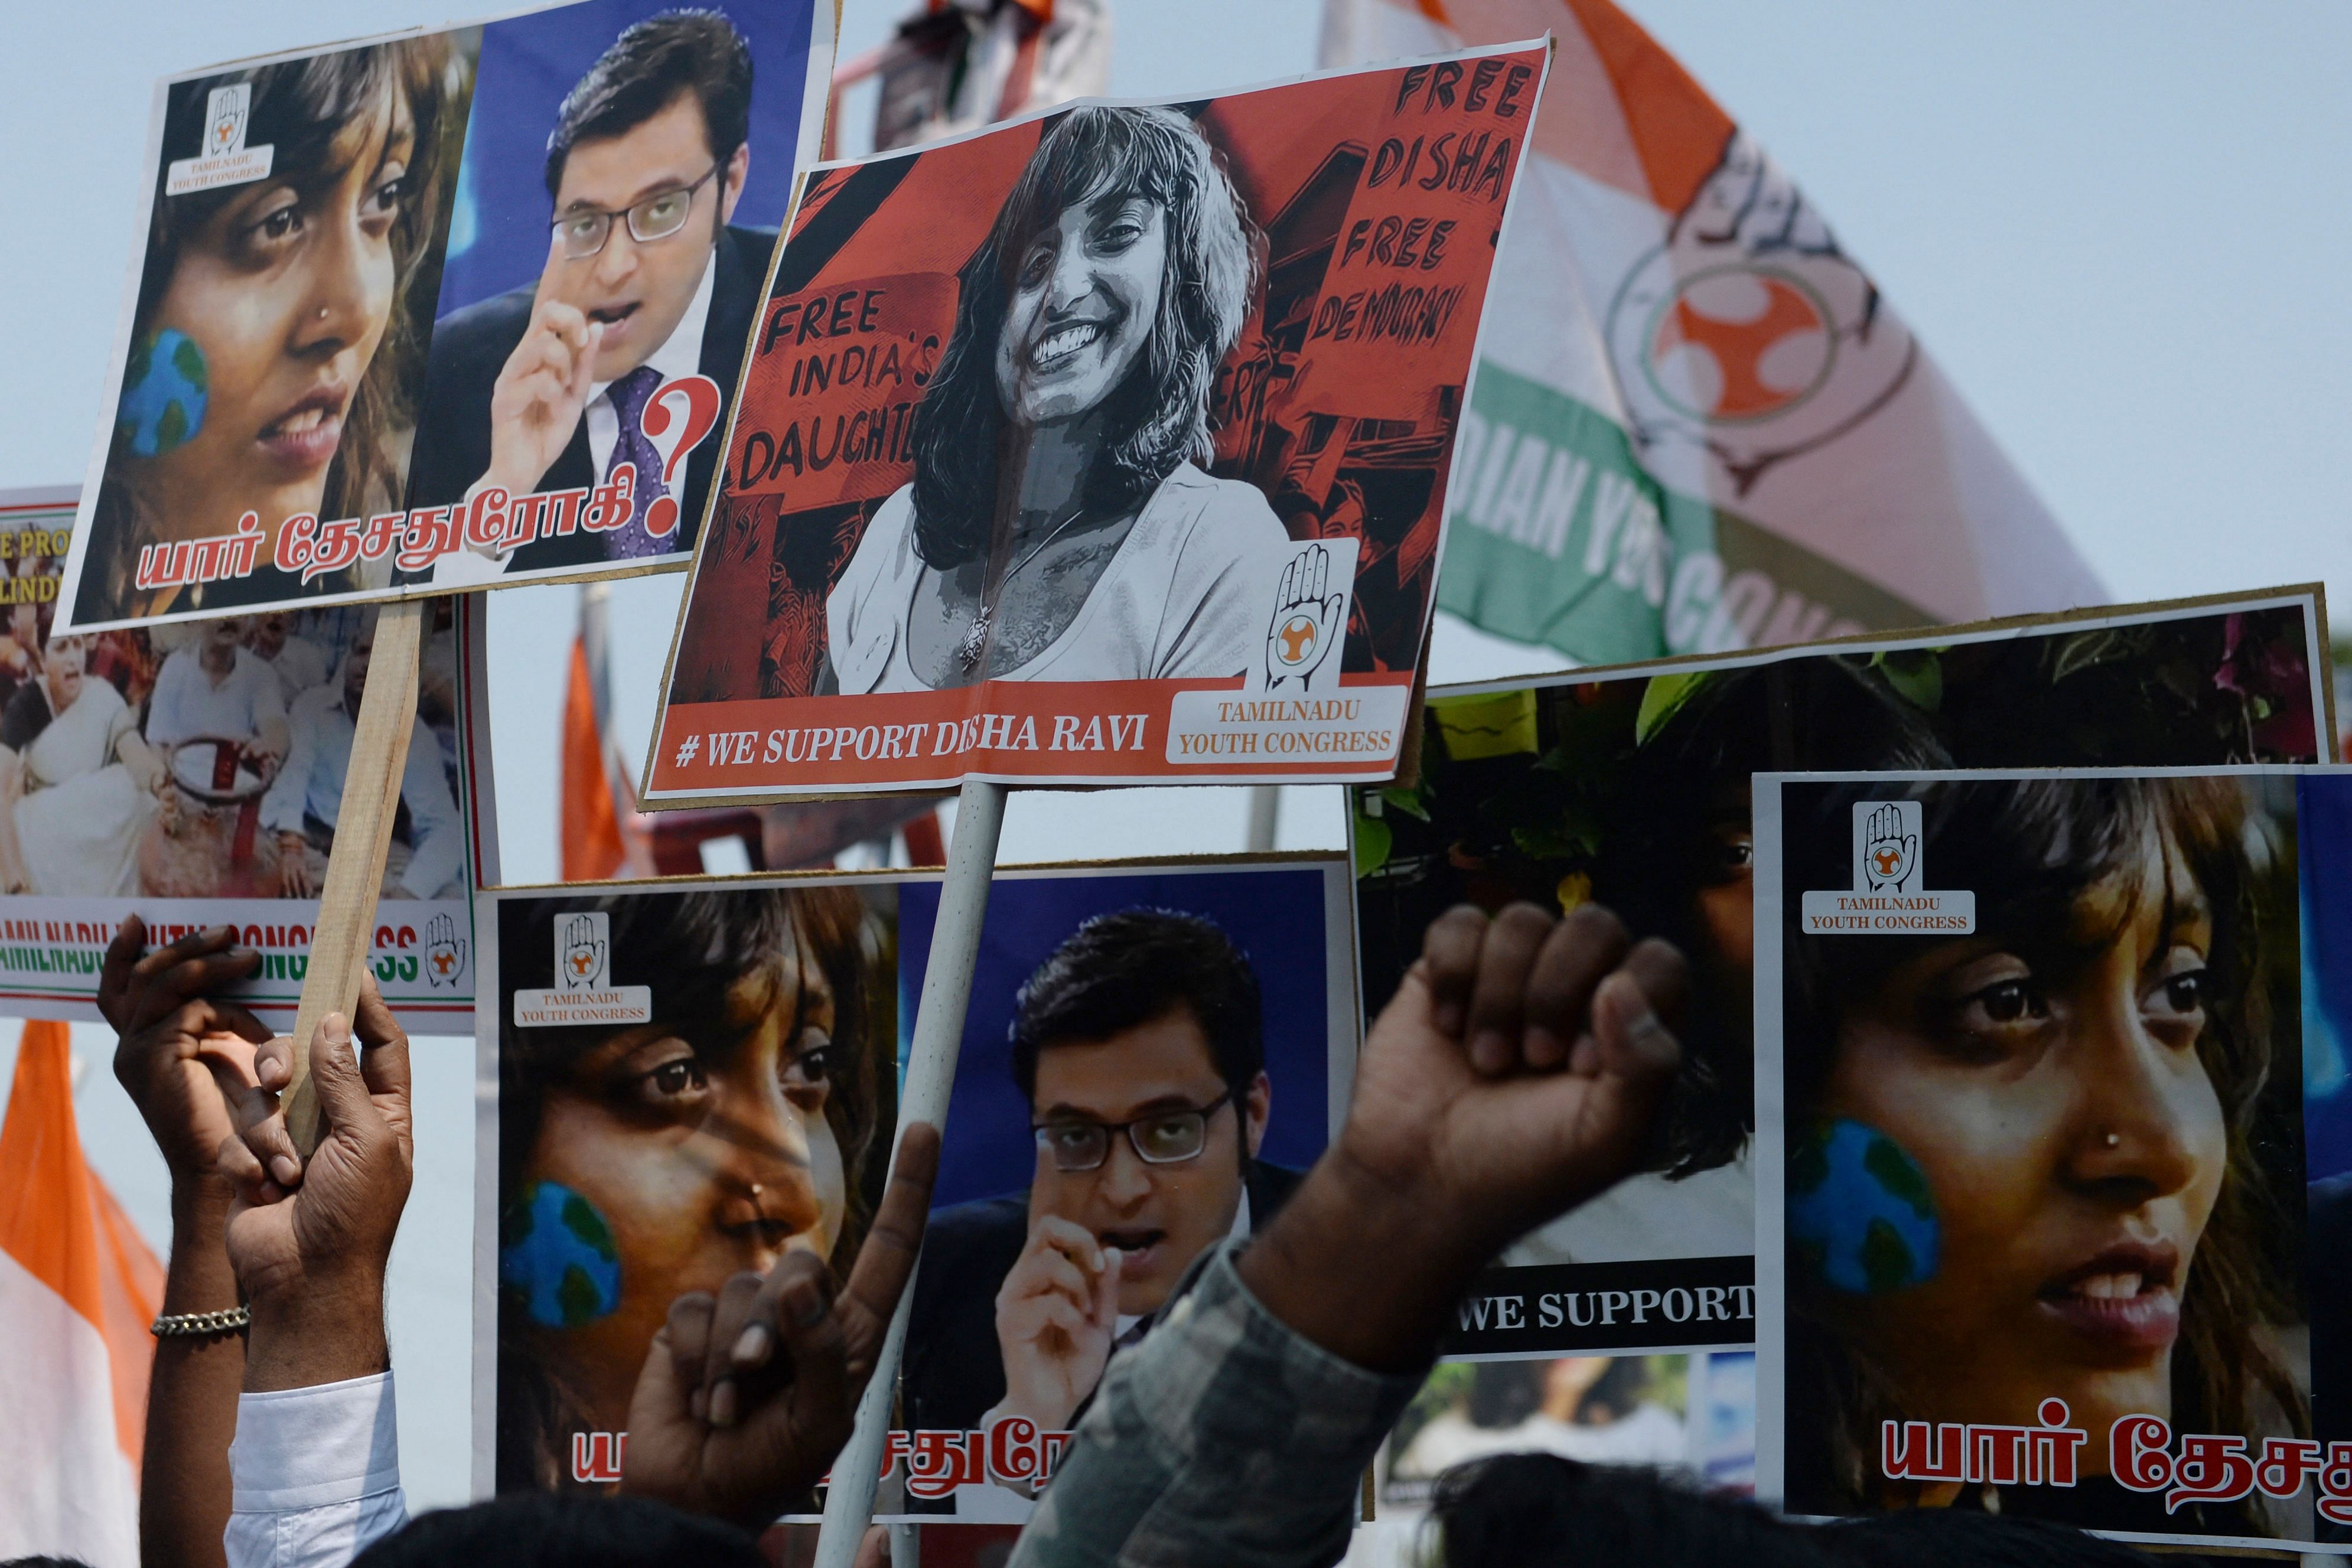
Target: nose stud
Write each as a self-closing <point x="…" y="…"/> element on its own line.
<point x="2113" y="1140"/>
<point x="757" y="1189"/>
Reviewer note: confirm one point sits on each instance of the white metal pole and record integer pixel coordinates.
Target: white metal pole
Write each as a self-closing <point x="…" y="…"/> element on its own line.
<point x="1265" y="809"/>
<point x="930" y="1075"/>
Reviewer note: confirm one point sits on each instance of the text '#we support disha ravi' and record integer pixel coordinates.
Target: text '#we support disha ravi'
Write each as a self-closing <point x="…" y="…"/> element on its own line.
<point x="943" y="737"/>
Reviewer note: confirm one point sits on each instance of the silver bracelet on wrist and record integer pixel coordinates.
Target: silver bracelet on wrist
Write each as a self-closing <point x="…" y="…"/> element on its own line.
<point x="227" y="1321"/>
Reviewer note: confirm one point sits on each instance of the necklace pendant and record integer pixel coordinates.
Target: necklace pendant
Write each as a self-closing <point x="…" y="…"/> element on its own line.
<point x="974" y="643"/>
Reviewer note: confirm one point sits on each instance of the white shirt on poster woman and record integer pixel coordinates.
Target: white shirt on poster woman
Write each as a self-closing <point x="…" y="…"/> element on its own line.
<point x="1187" y="596"/>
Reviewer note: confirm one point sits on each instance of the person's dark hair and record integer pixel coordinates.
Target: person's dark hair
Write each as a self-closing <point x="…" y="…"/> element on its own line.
<point x="1539" y="1511"/>
<point x="2030" y="849"/>
<point x="1616" y="1392"/>
<point x="1966" y="1537"/>
<point x="689" y="947"/>
<point x="1659" y="848"/>
<point x="554" y="1530"/>
<point x="303" y="109"/>
<point x="1130" y="968"/>
<point x="1504" y="1393"/>
<point x="1158" y="416"/>
<point x="644" y="71"/>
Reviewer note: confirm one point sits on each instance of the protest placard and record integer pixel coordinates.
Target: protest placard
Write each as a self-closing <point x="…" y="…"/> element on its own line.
<point x="1630" y="789"/>
<point x="2050" y="1149"/>
<point x="1105" y="447"/>
<point x="192" y="774"/>
<point x="441" y="310"/>
<point x="1183" y="1035"/>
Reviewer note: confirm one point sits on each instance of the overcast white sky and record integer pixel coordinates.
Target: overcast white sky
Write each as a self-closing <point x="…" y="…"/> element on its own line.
<point x="2121" y="227"/>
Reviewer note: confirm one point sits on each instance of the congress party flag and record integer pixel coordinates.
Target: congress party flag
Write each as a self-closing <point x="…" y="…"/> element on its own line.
<point x="1697" y="424"/>
<point x="78" y="1288"/>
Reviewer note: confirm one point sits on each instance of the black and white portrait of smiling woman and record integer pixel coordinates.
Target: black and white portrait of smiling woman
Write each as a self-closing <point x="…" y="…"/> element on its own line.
<point x="1060" y="525"/>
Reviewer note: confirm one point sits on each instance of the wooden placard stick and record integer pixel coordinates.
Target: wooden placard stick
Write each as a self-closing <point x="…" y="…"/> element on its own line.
<point x="340" y="937"/>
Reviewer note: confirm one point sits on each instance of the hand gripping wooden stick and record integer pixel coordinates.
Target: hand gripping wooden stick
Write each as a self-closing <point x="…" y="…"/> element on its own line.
<point x="340" y="939"/>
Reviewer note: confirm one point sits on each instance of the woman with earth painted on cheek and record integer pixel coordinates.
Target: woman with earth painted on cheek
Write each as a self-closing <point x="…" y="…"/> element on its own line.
<point x="1059" y="525"/>
<point x="2019" y="1165"/>
<point x="642" y="1163"/>
<point x="276" y="341"/>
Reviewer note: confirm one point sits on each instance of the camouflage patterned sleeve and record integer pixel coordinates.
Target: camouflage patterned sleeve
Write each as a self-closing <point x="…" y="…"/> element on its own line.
<point x="1223" y="1438"/>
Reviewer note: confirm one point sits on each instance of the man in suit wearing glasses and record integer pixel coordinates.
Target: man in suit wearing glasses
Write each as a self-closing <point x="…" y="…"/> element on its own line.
<point x="1140" y="1047"/>
<point x="542" y="388"/>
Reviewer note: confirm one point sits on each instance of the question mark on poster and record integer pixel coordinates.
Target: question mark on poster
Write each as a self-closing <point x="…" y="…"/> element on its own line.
<point x="681" y="412"/>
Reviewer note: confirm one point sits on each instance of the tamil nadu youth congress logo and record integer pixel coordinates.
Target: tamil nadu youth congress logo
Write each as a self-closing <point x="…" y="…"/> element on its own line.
<point x="1748" y="332"/>
<point x="223" y="159"/>
<point x="1309" y="618"/>
<point x="1887" y="898"/>
<point x="584" y="991"/>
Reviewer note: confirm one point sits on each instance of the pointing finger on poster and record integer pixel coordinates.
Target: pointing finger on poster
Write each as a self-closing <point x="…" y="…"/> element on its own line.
<point x="538" y="398"/>
<point x="1057" y="1315"/>
<point x="745" y="1397"/>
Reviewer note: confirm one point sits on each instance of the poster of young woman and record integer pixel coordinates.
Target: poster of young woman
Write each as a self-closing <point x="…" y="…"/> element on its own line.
<point x="1629" y="787"/>
<point x="192" y="774"/>
<point x="1106" y="446"/>
<point x="442" y="310"/>
<point x="694" y="1077"/>
<point x="2031" y="1151"/>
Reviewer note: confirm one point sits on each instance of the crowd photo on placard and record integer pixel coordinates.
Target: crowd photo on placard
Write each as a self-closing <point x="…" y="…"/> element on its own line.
<point x="206" y="759"/>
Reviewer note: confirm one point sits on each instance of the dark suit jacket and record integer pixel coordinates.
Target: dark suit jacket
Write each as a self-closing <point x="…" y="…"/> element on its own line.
<point x="470" y="347"/>
<point x="954" y="1373"/>
<point x="2327" y="1272"/>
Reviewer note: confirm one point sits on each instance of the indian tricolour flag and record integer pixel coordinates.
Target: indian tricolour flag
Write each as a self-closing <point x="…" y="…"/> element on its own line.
<point x="1696" y="424"/>
<point x="78" y="1288"/>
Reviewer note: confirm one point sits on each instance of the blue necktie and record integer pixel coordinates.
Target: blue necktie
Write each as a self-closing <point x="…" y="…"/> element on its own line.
<point x="630" y="394"/>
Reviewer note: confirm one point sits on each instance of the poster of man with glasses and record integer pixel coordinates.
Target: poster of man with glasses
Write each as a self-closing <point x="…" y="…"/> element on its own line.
<point x="1151" y="1056"/>
<point x="1150" y="1063"/>
<point x="440" y="309"/>
<point x="626" y="256"/>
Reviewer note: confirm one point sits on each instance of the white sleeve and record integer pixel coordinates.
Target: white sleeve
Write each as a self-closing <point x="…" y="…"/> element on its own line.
<point x="289" y="792"/>
<point x="269" y="692"/>
<point x="436" y="851"/>
<point x="1221" y="588"/>
<point x="861" y="613"/>
<point x="314" y="1475"/>
<point x="166" y="725"/>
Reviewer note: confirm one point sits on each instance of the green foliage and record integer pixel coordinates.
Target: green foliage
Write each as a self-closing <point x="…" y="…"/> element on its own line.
<point x="1917" y="674"/>
<point x="1409" y="801"/>
<point x="1660" y="698"/>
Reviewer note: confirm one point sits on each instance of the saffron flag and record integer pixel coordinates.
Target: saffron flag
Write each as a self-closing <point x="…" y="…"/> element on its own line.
<point x="606" y="837"/>
<point x="1697" y="425"/>
<point x="78" y="1288"/>
<point x="592" y="849"/>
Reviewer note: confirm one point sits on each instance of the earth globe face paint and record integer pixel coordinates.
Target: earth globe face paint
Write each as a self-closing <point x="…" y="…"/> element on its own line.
<point x="556" y="1257"/>
<point x="165" y="387"/>
<point x="1860" y="1211"/>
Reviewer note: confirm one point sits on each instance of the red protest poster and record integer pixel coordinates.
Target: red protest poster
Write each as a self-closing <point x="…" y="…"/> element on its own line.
<point x="1109" y="447"/>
